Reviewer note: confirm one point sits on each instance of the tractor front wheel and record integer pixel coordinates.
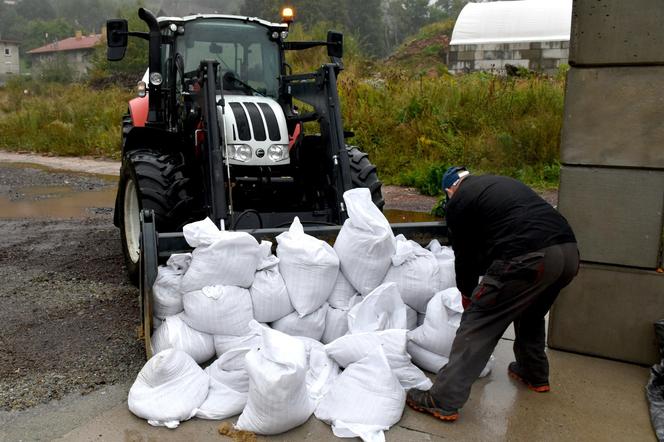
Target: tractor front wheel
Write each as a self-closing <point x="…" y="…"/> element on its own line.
<point x="155" y="181"/>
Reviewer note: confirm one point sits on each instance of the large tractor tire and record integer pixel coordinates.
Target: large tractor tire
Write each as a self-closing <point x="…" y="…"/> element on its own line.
<point x="363" y="174"/>
<point x="151" y="180"/>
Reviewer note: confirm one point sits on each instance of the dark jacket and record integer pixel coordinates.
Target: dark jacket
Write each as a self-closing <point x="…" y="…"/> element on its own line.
<point x="494" y="217"/>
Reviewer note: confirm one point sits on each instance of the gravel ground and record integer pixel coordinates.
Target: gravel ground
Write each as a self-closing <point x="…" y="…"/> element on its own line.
<point x="69" y="314"/>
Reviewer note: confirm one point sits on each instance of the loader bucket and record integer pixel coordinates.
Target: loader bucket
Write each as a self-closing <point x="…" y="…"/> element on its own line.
<point x="158" y="247"/>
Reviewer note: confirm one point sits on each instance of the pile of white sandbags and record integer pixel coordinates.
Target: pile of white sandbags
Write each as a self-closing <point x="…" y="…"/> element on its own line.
<point x="284" y="326"/>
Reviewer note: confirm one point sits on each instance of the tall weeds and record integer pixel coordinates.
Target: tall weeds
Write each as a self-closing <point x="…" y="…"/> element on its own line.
<point x="414" y="127"/>
<point x="62" y="119"/>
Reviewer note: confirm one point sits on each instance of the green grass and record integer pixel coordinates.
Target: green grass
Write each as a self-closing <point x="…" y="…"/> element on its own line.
<point x="68" y="120"/>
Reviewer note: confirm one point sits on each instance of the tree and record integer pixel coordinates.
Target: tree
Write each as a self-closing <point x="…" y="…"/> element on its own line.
<point x="135" y="61"/>
<point x="40" y="32"/>
<point x="35" y="9"/>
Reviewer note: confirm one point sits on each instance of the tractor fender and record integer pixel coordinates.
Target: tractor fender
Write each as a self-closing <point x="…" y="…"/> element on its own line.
<point x="138" y="110"/>
<point x="151" y="138"/>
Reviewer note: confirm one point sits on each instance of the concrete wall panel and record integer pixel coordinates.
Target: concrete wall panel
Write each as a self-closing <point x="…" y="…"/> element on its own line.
<point x="609" y="312"/>
<point x="616" y="214"/>
<point x="617" y="32"/>
<point x="613" y="117"/>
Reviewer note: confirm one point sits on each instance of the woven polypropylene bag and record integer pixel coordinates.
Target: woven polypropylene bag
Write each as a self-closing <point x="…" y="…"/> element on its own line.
<point x="168" y="389"/>
<point x="166" y="292"/>
<point x="219" y="310"/>
<point x="219" y="257"/>
<point x="309" y="267"/>
<point x="175" y="333"/>
<point x="366" y="393"/>
<point x="229" y="386"/>
<point x="365" y="242"/>
<point x="278" y="398"/>
<point x="268" y="291"/>
<point x="310" y="326"/>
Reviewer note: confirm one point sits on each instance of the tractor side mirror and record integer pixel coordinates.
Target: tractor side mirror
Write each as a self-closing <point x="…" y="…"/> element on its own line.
<point x="335" y="44"/>
<point x="116" y="39"/>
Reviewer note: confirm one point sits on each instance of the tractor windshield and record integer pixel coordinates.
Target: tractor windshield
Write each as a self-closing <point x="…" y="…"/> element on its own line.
<point x="245" y="49"/>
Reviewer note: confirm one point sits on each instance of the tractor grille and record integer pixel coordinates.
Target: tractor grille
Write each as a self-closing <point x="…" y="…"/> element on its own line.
<point x="249" y="114"/>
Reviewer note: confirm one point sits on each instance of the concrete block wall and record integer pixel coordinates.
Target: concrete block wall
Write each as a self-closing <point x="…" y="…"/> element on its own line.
<point x="543" y="57"/>
<point x="612" y="181"/>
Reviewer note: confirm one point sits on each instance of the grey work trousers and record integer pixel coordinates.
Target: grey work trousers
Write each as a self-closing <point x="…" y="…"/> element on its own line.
<point x="519" y="290"/>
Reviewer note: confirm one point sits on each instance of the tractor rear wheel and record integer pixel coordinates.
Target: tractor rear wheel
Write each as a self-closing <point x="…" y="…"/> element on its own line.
<point x="151" y="180"/>
<point x="363" y="174"/>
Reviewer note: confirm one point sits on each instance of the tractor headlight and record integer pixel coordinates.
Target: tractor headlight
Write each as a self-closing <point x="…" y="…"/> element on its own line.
<point x="240" y="152"/>
<point x="277" y="152"/>
<point x="155" y="78"/>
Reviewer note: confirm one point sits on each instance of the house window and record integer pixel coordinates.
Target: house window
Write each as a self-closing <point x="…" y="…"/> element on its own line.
<point x="8" y="52"/>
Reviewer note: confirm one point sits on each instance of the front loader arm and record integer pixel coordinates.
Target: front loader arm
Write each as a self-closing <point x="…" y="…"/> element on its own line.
<point x="320" y="91"/>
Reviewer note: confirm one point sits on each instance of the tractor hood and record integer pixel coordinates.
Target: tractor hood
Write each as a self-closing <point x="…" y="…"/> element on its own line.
<point x="256" y="131"/>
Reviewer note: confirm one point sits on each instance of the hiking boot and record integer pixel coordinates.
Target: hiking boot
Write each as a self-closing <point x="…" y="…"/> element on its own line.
<point x="515" y="372"/>
<point x="423" y="402"/>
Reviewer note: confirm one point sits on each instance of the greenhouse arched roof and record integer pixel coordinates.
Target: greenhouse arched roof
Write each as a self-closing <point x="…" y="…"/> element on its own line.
<point x="513" y="21"/>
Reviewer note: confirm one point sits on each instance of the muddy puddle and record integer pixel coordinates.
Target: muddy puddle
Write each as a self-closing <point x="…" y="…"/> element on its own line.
<point x="406" y="216"/>
<point x="32" y="191"/>
<point x="56" y="202"/>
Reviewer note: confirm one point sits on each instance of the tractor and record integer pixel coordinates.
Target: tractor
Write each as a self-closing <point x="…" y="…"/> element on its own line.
<point x="217" y="130"/>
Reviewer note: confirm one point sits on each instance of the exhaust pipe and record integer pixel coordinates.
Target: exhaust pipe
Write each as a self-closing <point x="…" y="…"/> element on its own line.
<point x="155" y="109"/>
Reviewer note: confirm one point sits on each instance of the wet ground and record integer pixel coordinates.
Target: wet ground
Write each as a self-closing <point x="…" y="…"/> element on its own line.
<point x="68" y="311"/>
<point x="68" y="351"/>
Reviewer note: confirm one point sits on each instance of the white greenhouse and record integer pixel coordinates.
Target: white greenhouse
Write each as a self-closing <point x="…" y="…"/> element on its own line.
<point x="533" y="34"/>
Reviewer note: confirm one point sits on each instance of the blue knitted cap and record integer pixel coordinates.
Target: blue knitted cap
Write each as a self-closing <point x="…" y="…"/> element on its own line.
<point x="451" y="176"/>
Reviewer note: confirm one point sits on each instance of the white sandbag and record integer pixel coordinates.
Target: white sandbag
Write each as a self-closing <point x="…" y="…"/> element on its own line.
<point x="365" y="242"/>
<point x="219" y="257"/>
<point x="278" y="397"/>
<point x="168" y="389"/>
<point x="425" y="359"/>
<point x="229" y="386"/>
<point x="309" y="267"/>
<point x="156" y="322"/>
<point x="342" y="293"/>
<point x="166" y="293"/>
<point x="382" y="309"/>
<point x="268" y="291"/>
<point x="175" y="333"/>
<point x="433" y="363"/>
<point x="336" y="325"/>
<point x="368" y="433"/>
<point x="366" y="393"/>
<point x="351" y="348"/>
<point x="420" y="318"/>
<point x="415" y="271"/>
<point x="312" y="325"/>
<point x="322" y="371"/>
<point x="440" y="323"/>
<point x="411" y="318"/>
<point x="225" y="343"/>
<point x="219" y="310"/>
<point x="445" y="257"/>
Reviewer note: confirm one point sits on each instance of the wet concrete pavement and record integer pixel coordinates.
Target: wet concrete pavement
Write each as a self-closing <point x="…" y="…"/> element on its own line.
<point x="591" y="398"/>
